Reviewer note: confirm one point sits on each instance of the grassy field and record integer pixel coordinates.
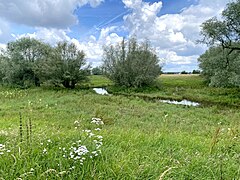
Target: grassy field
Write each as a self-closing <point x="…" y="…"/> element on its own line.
<point x="191" y="87"/>
<point x="58" y="134"/>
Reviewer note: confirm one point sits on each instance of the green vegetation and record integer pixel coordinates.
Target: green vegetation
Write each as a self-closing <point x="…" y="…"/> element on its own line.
<point x="97" y="71"/>
<point x="141" y="139"/>
<point x="178" y="87"/>
<point x="221" y="63"/>
<point x="131" y="64"/>
<point x="29" y="62"/>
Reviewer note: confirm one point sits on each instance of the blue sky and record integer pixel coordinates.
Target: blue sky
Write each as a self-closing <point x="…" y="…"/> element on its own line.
<point x="172" y="26"/>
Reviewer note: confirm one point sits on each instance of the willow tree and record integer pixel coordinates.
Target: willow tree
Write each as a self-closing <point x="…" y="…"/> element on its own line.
<point x="222" y="36"/>
<point x="20" y="61"/>
<point x="65" y="66"/>
<point x="131" y="64"/>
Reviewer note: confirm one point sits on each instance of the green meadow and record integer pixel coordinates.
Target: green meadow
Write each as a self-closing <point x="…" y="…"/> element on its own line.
<point x="54" y="133"/>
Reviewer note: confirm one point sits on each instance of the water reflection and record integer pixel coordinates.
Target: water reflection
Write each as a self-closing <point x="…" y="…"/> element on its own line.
<point x="183" y="102"/>
<point x="100" y="91"/>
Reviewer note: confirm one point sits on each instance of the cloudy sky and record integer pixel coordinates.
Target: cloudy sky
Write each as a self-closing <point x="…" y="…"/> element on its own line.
<point x="172" y="26"/>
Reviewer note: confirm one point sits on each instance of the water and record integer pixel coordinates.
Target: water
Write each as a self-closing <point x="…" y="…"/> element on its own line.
<point x="101" y="91"/>
<point x="183" y="102"/>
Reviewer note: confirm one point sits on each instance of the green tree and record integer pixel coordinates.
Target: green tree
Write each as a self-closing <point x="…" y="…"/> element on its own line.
<point x="65" y="66"/>
<point x="184" y="72"/>
<point x="131" y="64"/>
<point x="97" y="71"/>
<point x="223" y="36"/>
<point x="20" y="61"/>
<point x="213" y="65"/>
<point x="196" y="71"/>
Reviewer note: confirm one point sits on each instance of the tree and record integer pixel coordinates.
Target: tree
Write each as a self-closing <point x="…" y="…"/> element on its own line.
<point x="184" y="72"/>
<point x="20" y="60"/>
<point x="225" y="32"/>
<point x="65" y="66"/>
<point x="213" y="65"/>
<point x="223" y="37"/>
<point x="132" y="66"/>
<point x="97" y="71"/>
<point x="196" y="71"/>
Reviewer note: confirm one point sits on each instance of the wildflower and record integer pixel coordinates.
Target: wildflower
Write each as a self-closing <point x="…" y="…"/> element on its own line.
<point x="44" y="151"/>
<point x="97" y="129"/>
<point x="91" y="134"/>
<point x="99" y="137"/>
<point x="49" y="140"/>
<point x="87" y="131"/>
<point x="76" y="122"/>
<point x="97" y="121"/>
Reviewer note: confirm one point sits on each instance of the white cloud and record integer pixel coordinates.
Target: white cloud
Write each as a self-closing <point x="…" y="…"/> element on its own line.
<point x="173" y="35"/>
<point x="43" y="13"/>
<point x="92" y="47"/>
<point x="51" y="35"/>
<point x="5" y="32"/>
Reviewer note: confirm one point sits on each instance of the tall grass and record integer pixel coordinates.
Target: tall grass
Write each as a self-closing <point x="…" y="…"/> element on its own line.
<point x="141" y="139"/>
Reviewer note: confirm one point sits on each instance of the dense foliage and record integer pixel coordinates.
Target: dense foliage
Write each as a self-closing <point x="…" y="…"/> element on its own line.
<point x="131" y="64"/>
<point x="97" y="71"/>
<point x="27" y="62"/>
<point x="216" y="70"/>
<point x="220" y="64"/>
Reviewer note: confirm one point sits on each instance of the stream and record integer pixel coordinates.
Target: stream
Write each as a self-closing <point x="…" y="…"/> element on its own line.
<point x="184" y="102"/>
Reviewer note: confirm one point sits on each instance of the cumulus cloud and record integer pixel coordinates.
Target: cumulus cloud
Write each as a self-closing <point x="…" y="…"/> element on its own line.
<point x="92" y="47"/>
<point x="174" y="35"/>
<point x="48" y="35"/>
<point x="43" y="13"/>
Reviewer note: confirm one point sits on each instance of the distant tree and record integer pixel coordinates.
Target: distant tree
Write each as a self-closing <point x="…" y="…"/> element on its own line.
<point x="223" y="36"/>
<point x="20" y="61"/>
<point x="131" y="64"/>
<point x="97" y="71"/>
<point x="66" y="65"/>
<point x="196" y="71"/>
<point x="184" y="72"/>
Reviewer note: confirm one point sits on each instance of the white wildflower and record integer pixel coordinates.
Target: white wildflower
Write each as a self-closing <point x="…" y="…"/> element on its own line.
<point x="44" y="151"/>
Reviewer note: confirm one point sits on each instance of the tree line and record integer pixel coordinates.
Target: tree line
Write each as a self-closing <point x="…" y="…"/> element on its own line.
<point x="27" y="62"/>
<point x="30" y="62"/>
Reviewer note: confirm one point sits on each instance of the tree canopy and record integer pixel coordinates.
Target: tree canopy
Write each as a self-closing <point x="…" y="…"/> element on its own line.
<point x="221" y="63"/>
<point x="28" y="62"/>
<point x="131" y="64"/>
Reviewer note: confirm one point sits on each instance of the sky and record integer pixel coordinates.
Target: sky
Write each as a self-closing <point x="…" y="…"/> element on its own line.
<point x="171" y="26"/>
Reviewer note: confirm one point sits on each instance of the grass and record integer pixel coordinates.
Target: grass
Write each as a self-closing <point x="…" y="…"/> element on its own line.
<point x="191" y="87"/>
<point x="141" y="139"/>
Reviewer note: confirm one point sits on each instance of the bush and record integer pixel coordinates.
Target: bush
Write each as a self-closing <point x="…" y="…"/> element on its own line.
<point x="132" y="66"/>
